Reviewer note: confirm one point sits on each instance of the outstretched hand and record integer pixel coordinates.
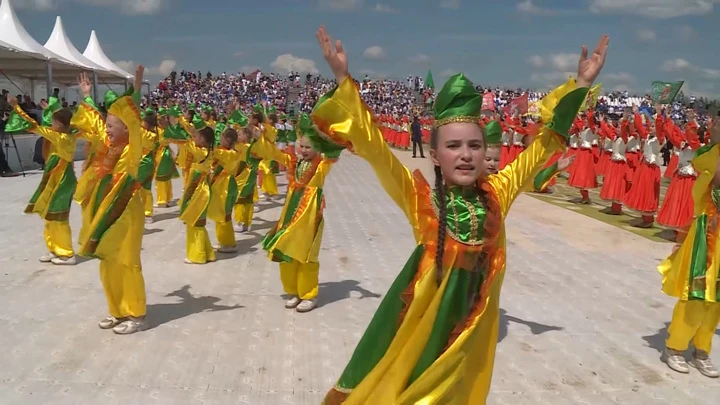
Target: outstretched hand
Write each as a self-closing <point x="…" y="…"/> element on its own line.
<point x="589" y="68"/>
<point x="334" y="54"/>
<point x="12" y="100"/>
<point x="84" y="84"/>
<point x="565" y="162"/>
<point x="137" y="84"/>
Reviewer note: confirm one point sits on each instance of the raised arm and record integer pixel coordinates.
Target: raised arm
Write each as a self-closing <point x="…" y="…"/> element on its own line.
<point x="559" y="109"/>
<point x="20" y="121"/>
<point x="345" y="118"/>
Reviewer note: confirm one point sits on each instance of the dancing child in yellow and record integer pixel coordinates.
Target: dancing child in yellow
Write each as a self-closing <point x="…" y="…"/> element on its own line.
<point x="53" y="197"/>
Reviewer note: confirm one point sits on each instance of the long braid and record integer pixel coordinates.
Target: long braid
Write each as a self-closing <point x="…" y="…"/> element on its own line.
<point x="442" y="224"/>
<point x="473" y="293"/>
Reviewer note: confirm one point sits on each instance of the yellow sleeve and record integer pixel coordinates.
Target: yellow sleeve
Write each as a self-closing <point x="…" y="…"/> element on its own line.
<point x="56" y="138"/>
<point x="227" y="158"/>
<point x="185" y="124"/>
<point x="241" y="149"/>
<point x="321" y="173"/>
<point x="345" y="118"/>
<point x="90" y="123"/>
<point x="269" y="132"/>
<point x="559" y="109"/>
<point x="149" y="139"/>
<point x="268" y="151"/>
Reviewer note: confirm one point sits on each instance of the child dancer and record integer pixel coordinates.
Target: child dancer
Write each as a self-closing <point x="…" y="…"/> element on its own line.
<point x="266" y="123"/>
<point x="147" y="165"/>
<point x="165" y="163"/>
<point x="116" y="231"/>
<point x="690" y="274"/>
<point x="53" y="197"/>
<point x="493" y="142"/>
<point x="224" y="189"/>
<point x="196" y="196"/>
<point x="246" y="179"/>
<point x="434" y="335"/>
<point x="583" y="175"/>
<point x="295" y="240"/>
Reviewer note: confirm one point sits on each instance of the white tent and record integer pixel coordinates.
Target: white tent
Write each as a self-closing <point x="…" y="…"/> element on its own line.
<point x="30" y="58"/>
<point x="95" y="53"/>
<point x="59" y="43"/>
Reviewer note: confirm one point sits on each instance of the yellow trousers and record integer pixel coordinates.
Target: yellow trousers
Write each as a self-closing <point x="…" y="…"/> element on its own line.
<point x="244" y="213"/>
<point x="164" y="192"/>
<point x="300" y="279"/>
<point x="225" y="233"/>
<point x="199" y="249"/>
<point x="147" y="201"/>
<point x="269" y="183"/>
<point x="58" y="238"/>
<point x="86" y="215"/>
<point x="124" y="287"/>
<point x="693" y="320"/>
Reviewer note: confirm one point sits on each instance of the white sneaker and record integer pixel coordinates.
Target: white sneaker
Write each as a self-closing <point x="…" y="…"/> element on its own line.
<point x="110" y="322"/>
<point x="306" y="305"/>
<point x="701" y="361"/>
<point x="64" y="261"/>
<point x="130" y="326"/>
<point x="149" y="220"/>
<point x="292" y="302"/>
<point x="676" y="361"/>
<point x="239" y="228"/>
<point x="160" y="205"/>
<point x="48" y="257"/>
<point x="264" y="196"/>
<point x="256" y="208"/>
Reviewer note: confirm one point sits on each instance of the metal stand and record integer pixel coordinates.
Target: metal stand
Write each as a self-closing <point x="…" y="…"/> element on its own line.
<point x="17" y="151"/>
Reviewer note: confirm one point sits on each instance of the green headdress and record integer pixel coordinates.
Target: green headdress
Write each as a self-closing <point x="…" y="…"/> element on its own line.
<point x="219" y="129"/>
<point x="271" y="110"/>
<point x="162" y="111"/>
<point x="110" y="96"/>
<point x="206" y="108"/>
<point x="258" y="108"/>
<point x="52" y="107"/>
<point x="282" y="117"/>
<point x="198" y="122"/>
<point x="319" y="143"/>
<point x="174" y="111"/>
<point x="191" y="106"/>
<point x="493" y="133"/>
<point x="457" y="101"/>
<point x="238" y="118"/>
<point x="146" y="112"/>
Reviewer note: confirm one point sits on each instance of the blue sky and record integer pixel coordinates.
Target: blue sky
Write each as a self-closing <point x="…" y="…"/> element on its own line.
<point x="509" y="42"/>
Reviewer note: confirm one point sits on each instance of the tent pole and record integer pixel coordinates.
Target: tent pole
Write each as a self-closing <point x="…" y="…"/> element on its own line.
<point x="48" y="82"/>
<point x="126" y="85"/>
<point x="96" y="96"/>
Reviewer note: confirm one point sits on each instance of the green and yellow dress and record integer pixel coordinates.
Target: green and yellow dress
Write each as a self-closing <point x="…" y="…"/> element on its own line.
<point x="196" y="197"/>
<point x="224" y="194"/>
<point x="166" y="170"/>
<point x="690" y="274"/>
<point x="115" y="232"/>
<point x="246" y="178"/>
<point x="294" y="241"/>
<point x="433" y="338"/>
<point x="147" y="168"/>
<point x="53" y="197"/>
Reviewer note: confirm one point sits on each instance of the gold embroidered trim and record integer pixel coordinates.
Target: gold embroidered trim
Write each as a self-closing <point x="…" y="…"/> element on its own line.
<point x="451" y="233"/>
<point x="451" y="120"/>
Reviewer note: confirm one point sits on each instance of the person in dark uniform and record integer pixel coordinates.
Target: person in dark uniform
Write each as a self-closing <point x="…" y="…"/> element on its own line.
<point x="416" y="134"/>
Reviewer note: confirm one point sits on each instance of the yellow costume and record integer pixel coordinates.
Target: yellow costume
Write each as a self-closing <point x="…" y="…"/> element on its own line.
<point x="53" y="197"/>
<point x="146" y="172"/>
<point x="269" y="182"/>
<point x="433" y="338"/>
<point x="690" y="274"/>
<point x="196" y="197"/>
<point x="223" y="195"/>
<point x="294" y="242"/>
<point x="116" y="230"/>
<point x="246" y="179"/>
<point x="166" y="170"/>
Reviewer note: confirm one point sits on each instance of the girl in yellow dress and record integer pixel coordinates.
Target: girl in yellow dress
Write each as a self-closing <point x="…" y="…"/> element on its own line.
<point x="224" y="188"/>
<point x="147" y="166"/>
<point x="691" y="275"/>
<point x="196" y="196"/>
<point x="116" y="230"/>
<point x="53" y="197"/>
<point x="265" y="121"/>
<point x="433" y="338"/>
<point x="165" y="163"/>
<point x="90" y="124"/>
<point x="295" y="240"/>
<point x="246" y="179"/>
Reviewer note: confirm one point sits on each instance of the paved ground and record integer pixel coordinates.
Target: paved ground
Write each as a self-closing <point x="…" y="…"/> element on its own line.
<point x="583" y="319"/>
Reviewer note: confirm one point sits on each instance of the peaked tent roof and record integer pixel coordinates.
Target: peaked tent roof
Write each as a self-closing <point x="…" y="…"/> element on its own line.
<point x="95" y="53"/>
<point x="14" y="34"/>
<point x="59" y="43"/>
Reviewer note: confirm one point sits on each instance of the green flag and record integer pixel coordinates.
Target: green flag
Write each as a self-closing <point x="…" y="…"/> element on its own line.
<point x="429" y="83"/>
<point x="665" y="92"/>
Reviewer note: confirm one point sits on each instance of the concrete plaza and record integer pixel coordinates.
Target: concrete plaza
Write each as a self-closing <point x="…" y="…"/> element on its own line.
<point x="583" y="318"/>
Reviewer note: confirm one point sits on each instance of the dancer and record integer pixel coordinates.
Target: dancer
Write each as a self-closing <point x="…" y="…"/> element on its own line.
<point x="690" y="274"/>
<point x="54" y="194"/>
<point x="116" y="230"/>
<point x="246" y="179"/>
<point x="147" y="165"/>
<point x="224" y="189"/>
<point x="583" y="175"/>
<point x="295" y="240"/>
<point x="493" y="146"/>
<point x="196" y="196"/>
<point x="165" y="163"/>
<point x="644" y="193"/>
<point x="434" y="335"/>
<point x="615" y="179"/>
